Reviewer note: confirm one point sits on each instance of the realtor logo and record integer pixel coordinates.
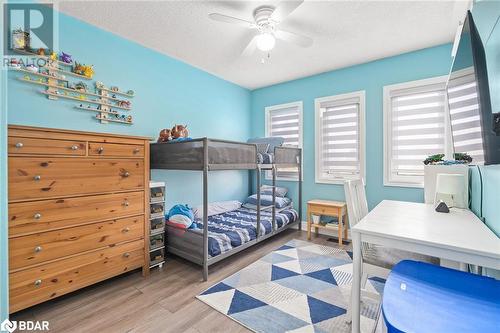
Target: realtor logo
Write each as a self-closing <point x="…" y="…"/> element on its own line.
<point x="28" y="26"/>
<point x="8" y="326"/>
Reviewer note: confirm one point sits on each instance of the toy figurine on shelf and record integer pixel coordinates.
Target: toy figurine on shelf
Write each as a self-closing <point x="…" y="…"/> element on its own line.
<point x="14" y="63"/>
<point x="129" y="119"/>
<point x="80" y="69"/>
<point x="82" y="97"/>
<point x="130" y="92"/>
<point x="53" y="56"/>
<point x="32" y="68"/>
<point x="66" y="58"/>
<point x="41" y="51"/>
<point x="27" y="77"/>
<point x="99" y="84"/>
<point x="124" y="104"/>
<point x="81" y="86"/>
<point x="20" y="39"/>
<point x="114" y="88"/>
<point x="113" y="96"/>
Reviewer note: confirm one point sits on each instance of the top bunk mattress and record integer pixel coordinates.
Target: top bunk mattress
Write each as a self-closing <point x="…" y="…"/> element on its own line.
<point x="232" y="229"/>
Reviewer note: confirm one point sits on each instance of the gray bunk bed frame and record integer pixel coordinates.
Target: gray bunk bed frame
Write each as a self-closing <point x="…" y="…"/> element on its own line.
<point x="207" y="155"/>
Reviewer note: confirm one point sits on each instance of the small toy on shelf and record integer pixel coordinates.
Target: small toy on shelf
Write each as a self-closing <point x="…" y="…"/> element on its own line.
<point x="129" y="119"/>
<point x="113" y="96"/>
<point x="14" y="63"/>
<point x="124" y="104"/>
<point x="53" y="56"/>
<point x="99" y="84"/>
<point x="114" y="88"/>
<point x="41" y="51"/>
<point x="32" y="68"/>
<point x="27" y="77"/>
<point x="82" y="97"/>
<point x="66" y="58"/>
<point x="165" y="135"/>
<point x="81" y="86"/>
<point x="20" y="39"/>
<point x="179" y="131"/>
<point x="84" y="70"/>
<point x="130" y="92"/>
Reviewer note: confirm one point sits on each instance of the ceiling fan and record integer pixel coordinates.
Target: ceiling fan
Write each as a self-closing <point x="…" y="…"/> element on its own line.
<point x="266" y="23"/>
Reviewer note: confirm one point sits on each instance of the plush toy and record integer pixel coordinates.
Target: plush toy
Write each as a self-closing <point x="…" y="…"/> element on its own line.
<point x="180" y="131"/>
<point x="165" y="135"/>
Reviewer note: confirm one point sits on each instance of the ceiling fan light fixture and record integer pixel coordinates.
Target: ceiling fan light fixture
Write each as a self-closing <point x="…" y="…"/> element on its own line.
<point x="266" y="41"/>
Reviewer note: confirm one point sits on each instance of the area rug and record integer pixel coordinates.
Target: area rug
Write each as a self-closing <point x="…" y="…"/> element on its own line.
<point x="300" y="287"/>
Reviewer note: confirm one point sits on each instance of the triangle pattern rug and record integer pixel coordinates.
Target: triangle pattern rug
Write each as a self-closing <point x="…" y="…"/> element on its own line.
<point x="300" y="287"/>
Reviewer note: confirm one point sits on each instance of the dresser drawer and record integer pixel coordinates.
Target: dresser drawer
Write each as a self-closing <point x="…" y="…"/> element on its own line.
<point x="115" y="150"/>
<point x="39" y="178"/>
<point x="31" y="146"/>
<point x="44" y="282"/>
<point x="37" y="248"/>
<point x="37" y="216"/>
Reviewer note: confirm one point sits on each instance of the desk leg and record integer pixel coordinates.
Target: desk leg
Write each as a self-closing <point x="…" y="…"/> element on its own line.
<point x="339" y="216"/>
<point x="346" y="223"/>
<point x="356" y="282"/>
<point x="308" y="225"/>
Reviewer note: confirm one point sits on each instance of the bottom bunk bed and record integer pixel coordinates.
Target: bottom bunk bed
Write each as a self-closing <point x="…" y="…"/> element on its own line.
<point x="228" y="233"/>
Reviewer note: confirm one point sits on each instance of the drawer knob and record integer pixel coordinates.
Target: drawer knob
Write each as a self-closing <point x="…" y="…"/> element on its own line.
<point x="126" y="174"/>
<point x="19" y="145"/>
<point x="126" y="203"/>
<point x="38" y="283"/>
<point x="38" y="249"/>
<point x="126" y="255"/>
<point x="37" y="177"/>
<point x="136" y="150"/>
<point x="125" y="230"/>
<point x="37" y="216"/>
<point x="100" y="150"/>
<point x="74" y="147"/>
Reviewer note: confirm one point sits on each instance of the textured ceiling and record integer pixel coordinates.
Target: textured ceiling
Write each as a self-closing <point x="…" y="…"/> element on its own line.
<point x="345" y="33"/>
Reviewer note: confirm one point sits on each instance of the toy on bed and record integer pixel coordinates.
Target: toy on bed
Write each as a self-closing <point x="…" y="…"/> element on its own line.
<point x="181" y="216"/>
<point x="165" y="135"/>
<point x="176" y="134"/>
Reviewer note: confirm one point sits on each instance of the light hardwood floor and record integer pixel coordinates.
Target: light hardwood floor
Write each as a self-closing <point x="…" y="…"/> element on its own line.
<point x="163" y="302"/>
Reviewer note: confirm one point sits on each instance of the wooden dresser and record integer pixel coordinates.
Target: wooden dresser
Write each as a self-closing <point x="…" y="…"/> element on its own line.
<point x="78" y="210"/>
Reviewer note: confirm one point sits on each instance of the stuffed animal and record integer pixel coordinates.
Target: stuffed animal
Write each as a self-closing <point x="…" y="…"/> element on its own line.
<point x="180" y="131"/>
<point x="165" y="135"/>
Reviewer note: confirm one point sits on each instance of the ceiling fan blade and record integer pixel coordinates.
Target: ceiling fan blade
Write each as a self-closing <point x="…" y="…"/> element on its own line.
<point x="294" y="38"/>
<point x="230" y="19"/>
<point x="284" y="9"/>
<point x="250" y="48"/>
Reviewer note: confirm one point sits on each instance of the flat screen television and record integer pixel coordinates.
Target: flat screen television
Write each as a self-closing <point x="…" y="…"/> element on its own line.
<point x="473" y="124"/>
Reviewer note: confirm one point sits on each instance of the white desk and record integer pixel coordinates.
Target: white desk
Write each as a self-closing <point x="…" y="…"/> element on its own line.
<point x="458" y="235"/>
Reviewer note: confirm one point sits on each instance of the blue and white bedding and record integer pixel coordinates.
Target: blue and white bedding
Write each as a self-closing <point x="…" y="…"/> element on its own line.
<point x="265" y="158"/>
<point x="231" y="229"/>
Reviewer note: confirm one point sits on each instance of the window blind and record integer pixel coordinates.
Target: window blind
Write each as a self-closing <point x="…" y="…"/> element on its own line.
<point x="339" y="146"/>
<point x="416" y="130"/>
<point x="285" y="122"/>
<point x="464" y="115"/>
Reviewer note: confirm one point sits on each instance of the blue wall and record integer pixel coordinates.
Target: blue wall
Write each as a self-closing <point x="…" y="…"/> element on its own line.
<point x="370" y="77"/>
<point x="167" y="92"/>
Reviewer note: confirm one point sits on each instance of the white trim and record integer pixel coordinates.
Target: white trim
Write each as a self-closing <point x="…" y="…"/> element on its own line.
<point x="267" y="110"/>
<point x="360" y="95"/>
<point x="387" y="126"/>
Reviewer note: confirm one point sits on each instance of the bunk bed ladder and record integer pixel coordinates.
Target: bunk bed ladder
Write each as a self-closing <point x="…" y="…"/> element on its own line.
<point x="299" y="163"/>
<point x="258" y="201"/>
<point x="274" y="197"/>
<point x="205" y="209"/>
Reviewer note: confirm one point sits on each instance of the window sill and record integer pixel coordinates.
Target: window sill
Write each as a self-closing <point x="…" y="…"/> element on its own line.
<point x="403" y="184"/>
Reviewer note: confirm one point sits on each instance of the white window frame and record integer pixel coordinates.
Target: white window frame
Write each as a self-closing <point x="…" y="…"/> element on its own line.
<point x="387" y="108"/>
<point x="318" y="137"/>
<point x="267" y="112"/>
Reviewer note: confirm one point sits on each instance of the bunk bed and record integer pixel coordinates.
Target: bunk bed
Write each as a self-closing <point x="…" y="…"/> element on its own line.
<point x="208" y="155"/>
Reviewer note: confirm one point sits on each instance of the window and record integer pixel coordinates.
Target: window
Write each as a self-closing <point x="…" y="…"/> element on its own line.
<point x="285" y="121"/>
<point x="414" y="128"/>
<point x="464" y="114"/>
<point x="340" y="138"/>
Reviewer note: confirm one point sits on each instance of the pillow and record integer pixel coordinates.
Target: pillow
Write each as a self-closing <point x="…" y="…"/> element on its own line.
<point x="181" y="216"/>
<point x="215" y="208"/>
<point x="267" y="200"/>
<point x="254" y="207"/>
<point x="268" y="190"/>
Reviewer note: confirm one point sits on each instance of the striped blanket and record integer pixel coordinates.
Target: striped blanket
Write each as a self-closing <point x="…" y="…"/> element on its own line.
<point x="232" y="229"/>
